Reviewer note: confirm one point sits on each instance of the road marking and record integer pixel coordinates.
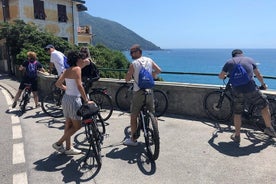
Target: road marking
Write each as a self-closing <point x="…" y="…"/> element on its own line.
<point x="18" y="153"/>
<point x="15" y="119"/>
<point x="16" y="132"/>
<point x="20" y="178"/>
<point x="18" y="149"/>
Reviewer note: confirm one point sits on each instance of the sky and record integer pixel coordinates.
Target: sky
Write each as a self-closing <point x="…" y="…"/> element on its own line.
<point x="194" y="23"/>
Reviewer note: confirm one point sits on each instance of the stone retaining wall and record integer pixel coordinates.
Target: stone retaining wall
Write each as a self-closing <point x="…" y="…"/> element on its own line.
<point x="184" y="98"/>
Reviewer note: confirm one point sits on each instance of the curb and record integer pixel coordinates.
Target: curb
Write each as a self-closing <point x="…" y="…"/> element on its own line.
<point x="9" y="89"/>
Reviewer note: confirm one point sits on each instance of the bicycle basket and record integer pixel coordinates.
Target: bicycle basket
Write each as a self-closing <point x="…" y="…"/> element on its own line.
<point x="87" y="110"/>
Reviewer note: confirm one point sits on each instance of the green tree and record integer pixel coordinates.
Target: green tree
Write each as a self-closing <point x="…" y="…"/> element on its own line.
<point x="21" y="38"/>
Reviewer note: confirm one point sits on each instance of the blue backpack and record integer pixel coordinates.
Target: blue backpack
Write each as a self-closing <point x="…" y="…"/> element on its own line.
<point x="239" y="76"/>
<point x="145" y="79"/>
<point x="66" y="65"/>
<point x="32" y="69"/>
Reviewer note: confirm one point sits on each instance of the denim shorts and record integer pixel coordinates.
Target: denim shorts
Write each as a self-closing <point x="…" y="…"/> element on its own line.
<point x="256" y="98"/>
<point x="70" y="106"/>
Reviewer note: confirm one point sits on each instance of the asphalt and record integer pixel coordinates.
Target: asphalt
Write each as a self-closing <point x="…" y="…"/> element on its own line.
<point x="191" y="152"/>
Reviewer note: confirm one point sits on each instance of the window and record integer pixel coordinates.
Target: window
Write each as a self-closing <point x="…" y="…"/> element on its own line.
<point x="6" y="11"/>
<point x="39" y="12"/>
<point x="62" y="16"/>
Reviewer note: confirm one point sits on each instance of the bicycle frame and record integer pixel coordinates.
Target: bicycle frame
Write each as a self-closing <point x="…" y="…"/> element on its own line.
<point x="148" y="124"/>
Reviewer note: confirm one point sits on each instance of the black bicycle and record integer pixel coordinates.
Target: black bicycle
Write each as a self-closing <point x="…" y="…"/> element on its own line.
<point x="147" y="123"/>
<point x="123" y="98"/>
<point x="94" y="131"/>
<point x="219" y="106"/>
<point x="26" y="96"/>
<point x="51" y="103"/>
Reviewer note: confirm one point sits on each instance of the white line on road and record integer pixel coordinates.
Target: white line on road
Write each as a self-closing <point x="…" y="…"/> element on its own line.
<point x="18" y="149"/>
<point x="18" y="153"/>
<point x="16" y="132"/>
<point x="15" y="119"/>
<point x="20" y="178"/>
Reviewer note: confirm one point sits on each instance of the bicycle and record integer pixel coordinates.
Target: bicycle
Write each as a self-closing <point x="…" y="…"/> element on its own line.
<point x="123" y="98"/>
<point x="101" y="97"/>
<point x="51" y="103"/>
<point x="219" y="106"/>
<point x="26" y="96"/>
<point x="94" y="132"/>
<point x="147" y="123"/>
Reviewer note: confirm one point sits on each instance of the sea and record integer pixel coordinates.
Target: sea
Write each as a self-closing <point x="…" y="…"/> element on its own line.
<point x="208" y="63"/>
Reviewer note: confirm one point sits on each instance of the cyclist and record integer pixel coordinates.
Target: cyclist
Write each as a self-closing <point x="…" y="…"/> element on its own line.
<point x="138" y="96"/>
<point x="29" y="66"/>
<point x="57" y="59"/>
<point x="247" y="92"/>
<point x="71" y="101"/>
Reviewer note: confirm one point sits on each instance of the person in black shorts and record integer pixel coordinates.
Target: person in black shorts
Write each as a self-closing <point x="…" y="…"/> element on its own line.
<point x="248" y="92"/>
<point x="30" y="79"/>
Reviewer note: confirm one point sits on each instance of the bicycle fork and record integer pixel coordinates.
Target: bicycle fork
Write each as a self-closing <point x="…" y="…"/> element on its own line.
<point x="219" y="104"/>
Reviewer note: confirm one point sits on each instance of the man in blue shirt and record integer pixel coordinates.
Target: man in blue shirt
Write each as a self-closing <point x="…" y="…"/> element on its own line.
<point x="248" y="92"/>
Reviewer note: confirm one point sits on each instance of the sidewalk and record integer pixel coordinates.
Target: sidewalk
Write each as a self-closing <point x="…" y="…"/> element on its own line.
<point x="189" y="153"/>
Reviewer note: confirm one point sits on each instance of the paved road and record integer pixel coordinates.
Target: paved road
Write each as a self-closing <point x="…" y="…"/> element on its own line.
<point x="189" y="152"/>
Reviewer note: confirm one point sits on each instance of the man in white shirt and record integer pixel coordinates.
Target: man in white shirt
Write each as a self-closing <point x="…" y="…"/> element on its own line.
<point x="138" y="95"/>
<point x="57" y="60"/>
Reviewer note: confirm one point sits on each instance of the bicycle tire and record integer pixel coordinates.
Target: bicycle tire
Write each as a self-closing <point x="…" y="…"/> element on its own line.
<point x="160" y="102"/>
<point x="104" y="102"/>
<point x="123" y="98"/>
<point x="100" y="122"/>
<point x="24" y="102"/>
<point x="51" y="105"/>
<point x="257" y="115"/>
<point x="273" y="120"/>
<point x="92" y="137"/>
<point x="222" y="114"/>
<point x="152" y="139"/>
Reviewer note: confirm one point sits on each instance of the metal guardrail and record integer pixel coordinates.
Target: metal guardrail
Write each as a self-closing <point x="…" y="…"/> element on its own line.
<point x="121" y="71"/>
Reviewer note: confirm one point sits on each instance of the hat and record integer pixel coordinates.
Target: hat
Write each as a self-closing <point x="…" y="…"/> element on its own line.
<point x="236" y="52"/>
<point x="49" y="46"/>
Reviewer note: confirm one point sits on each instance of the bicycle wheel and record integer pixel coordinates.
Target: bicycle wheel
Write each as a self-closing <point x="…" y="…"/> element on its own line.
<point x="24" y="102"/>
<point x="160" y="102"/>
<point x="220" y="112"/>
<point x="273" y="120"/>
<point x="152" y="137"/>
<point x="93" y="137"/>
<point x="100" y="124"/>
<point x="104" y="102"/>
<point x="51" y="104"/>
<point x="123" y="98"/>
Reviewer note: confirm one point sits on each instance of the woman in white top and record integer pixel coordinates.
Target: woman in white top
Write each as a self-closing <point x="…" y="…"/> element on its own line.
<point x="71" y="101"/>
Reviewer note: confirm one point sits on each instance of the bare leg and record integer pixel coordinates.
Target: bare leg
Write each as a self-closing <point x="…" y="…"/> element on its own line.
<point x="237" y="123"/>
<point x="71" y="126"/>
<point x="266" y="116"/>
<point x="133" y="125"/>
<point x="35" y="98"/>
<point x="18" y="94"/>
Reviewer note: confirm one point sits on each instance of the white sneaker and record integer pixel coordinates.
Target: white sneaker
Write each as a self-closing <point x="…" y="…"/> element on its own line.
<point x="130" y="142"/>
<point x="72" y="151"/>
<point x="59" y="148"/>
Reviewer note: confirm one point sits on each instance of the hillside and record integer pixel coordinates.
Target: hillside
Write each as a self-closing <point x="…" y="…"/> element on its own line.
<point x="112" y="34"/>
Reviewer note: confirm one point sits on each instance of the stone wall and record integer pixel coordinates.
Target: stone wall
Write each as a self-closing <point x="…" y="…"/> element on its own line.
<point x="184" y="99"/>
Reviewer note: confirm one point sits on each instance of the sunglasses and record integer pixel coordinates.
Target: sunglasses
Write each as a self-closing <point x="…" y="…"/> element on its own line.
<point x="131" y="52"/>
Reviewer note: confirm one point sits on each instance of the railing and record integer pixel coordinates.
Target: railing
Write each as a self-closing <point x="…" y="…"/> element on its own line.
<point x="123" y="71"/>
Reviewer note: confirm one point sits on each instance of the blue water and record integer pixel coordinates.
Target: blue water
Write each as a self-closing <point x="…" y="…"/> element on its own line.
<point x="208" y="61"/>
